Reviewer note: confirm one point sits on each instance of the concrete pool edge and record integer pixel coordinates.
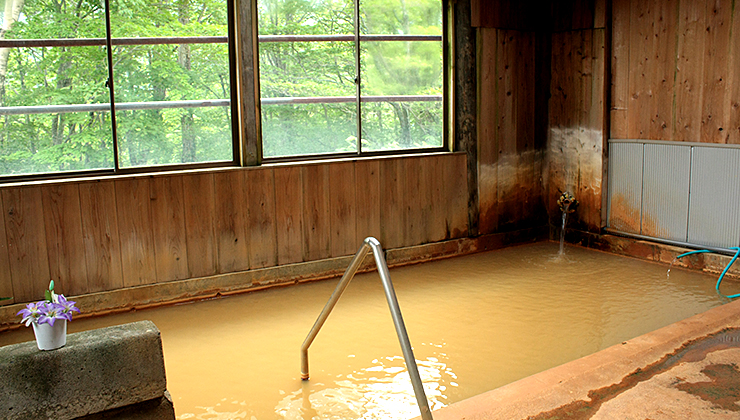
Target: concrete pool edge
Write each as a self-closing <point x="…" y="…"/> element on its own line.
<point x="571" y="382"/>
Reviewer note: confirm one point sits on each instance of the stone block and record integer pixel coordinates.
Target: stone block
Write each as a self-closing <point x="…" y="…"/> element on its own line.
<point x="97" y="370"/>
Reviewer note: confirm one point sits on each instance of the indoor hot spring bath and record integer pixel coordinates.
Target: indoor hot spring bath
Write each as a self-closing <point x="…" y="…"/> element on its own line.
<point x="476" y="322"/>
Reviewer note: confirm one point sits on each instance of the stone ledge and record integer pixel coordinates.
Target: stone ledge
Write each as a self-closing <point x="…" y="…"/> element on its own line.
<point x="97" y="370"/>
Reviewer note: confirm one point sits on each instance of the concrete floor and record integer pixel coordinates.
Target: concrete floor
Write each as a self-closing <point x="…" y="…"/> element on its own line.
<point x="687" y="370"/>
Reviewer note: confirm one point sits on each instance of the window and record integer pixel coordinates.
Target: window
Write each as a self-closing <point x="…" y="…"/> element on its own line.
<point x="171" y="89"/>
<point x="315" y="101"/>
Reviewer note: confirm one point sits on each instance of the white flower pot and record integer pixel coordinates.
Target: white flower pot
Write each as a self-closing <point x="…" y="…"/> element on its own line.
<point x="50" y="337"/>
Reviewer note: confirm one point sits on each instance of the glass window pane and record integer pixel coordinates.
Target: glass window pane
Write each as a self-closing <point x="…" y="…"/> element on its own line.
<point x="407" y="17"/>
<point x="56" y="79"/>
<point x="308" y="129"/>
<point x="322" y="75"/>
<point x="401" y="125"/>
<point x="302" y="17"/>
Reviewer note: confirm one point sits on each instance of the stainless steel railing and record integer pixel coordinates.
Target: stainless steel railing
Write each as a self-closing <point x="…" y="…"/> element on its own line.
<point x="368" y="244"/>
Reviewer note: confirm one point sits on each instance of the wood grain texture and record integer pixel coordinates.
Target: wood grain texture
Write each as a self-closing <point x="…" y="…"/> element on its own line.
<point x="316" y="213"/>
<point x="261" y="219"/>
<point x="64" y="238"/>
<point x="653" y="27"/>
<point x="231" y="221"/>
<point x="199" y="199"/>
<point x="6" y="283"/>
<point x="289" y="214"/>
<point x="689" y="71"/>
<point x="135" y="228"/>
<point x="715" y="105"/>
<point x="392" y="223"/>
<point x="100" y="235"/>
<point x="27" y="248"/>
<point x="413" y="202"/>
<point x="455" y="176"/>
<point x="343" y="203"/>
<point x="620" y="69"/>
<point x="367" y="179"/>
<point x="734" y="90"/>
<point x="488" y="117"/>
<point x="168" y="216"/>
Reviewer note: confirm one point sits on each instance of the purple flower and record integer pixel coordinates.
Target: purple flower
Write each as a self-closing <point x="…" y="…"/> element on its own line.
<point x="47" y="312"/>
<point x="52" y="312"/>
<point x="68" y="306"/>
<point x="32" y="312"/>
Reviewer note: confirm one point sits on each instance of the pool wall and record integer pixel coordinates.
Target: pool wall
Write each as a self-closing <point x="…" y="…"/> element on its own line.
<point x="583" y="387"/>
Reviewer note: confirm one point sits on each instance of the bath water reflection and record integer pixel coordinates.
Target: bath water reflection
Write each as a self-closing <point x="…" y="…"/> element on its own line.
<point x="476" y="322"/>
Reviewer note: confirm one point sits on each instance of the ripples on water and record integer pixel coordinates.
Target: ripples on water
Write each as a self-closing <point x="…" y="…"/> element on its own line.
<point x="477" y="322"/>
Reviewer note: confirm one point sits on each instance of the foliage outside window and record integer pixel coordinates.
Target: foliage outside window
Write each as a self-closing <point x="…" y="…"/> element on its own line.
<point x="309" y="55"/>
<point x="171" y="80"/>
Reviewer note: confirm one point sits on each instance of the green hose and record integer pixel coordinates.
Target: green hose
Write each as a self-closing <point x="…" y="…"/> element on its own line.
<point x="721" y="276"/>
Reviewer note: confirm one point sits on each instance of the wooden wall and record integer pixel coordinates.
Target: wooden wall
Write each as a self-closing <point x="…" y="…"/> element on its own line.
<point x="676" y="70"/>
<point x="106" y="234"/>
<point x="509" y="163"/>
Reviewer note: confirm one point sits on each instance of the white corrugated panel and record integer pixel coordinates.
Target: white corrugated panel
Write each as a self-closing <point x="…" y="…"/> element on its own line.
<point x="625" y="186"/>
<point x="665" y="191"/>
<point x="714" y="215"/>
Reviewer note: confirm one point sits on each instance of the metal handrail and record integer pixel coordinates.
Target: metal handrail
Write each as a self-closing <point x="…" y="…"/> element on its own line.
<point x="390" y="295"/>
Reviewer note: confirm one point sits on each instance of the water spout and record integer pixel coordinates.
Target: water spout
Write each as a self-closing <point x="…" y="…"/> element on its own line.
<point x="567" y="204"/>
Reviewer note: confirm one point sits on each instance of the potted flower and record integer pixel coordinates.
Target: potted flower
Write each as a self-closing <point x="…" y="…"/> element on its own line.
<point x="49" y="319"/>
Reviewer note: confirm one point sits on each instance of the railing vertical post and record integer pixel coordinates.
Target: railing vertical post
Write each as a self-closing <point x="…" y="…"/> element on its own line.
<point x="390" y="295"/>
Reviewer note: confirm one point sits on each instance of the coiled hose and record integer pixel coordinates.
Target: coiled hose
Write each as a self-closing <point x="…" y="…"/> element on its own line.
<point x="721" y="276"/>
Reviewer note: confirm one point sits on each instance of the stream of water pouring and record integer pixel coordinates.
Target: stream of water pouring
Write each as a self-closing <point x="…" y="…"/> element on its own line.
<point x="668" y="273"/>
<point x="562" y="234"/>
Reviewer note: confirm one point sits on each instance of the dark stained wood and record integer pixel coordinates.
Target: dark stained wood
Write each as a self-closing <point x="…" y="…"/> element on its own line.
<point x="367" y="179"/>
<point x="466" y="104"/>
<point x="100" y="235"/>
<point x="199" y="199"/>
<point x="27" y="248"/>
<point x="135" y="228"/>
<point x="392" y="224"/>
<point x="620" y="69"/>
<point x="289" y="214"/>
<point x="64" y="238"/>
<point x="231" y="221"/>
<point x="6" y="283"/>
<point x="261" y="218"/>
<point x="168" y="216"/>
<point x="316" y="213"/>
<point x="488" y="118"/>
<point x="343" y="202"/>
<point x="413" y="202"/>
<point x="248" y="104"/>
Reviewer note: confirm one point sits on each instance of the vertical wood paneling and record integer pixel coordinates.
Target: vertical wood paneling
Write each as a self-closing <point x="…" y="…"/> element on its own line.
<point x="27" y="248"/>
<point x="455" y="176"/>
<point x="231" y="221"/>
<point x="413" y="202"/>
<point x="653" y="29"/>
<point x="136" y="232"/>
<point x="168" y="216"/>
<point x="261" y="225"/>
<point x="689" y="70"/>
<point x="367" y="179"/>
<point x="343" y="203"/>
<point x="316" y="213"/>
<point x="6" y="283"/>
<point x="620" y="71"/>
<point x="200" y="224"/>
<point x="734" y="90"/>
<point x="715" y="109"/>
<point x="432" y="186"/>
<point x="99" y="216"/>
<point x="64" y="238"/>
<point x="289" y="214"/>
<point x="488" y="148"/>
<point x="391" y="211"/>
